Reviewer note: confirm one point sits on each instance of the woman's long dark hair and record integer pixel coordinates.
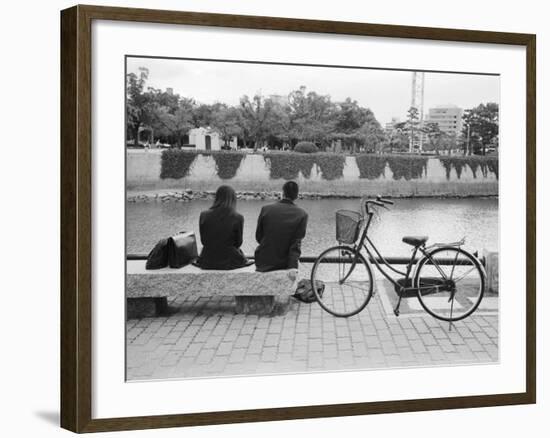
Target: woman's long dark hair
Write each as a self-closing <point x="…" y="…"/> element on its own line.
<point x="225" y="198"/>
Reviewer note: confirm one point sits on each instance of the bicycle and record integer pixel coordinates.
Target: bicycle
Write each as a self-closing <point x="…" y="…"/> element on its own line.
<point x="448" y="281"/>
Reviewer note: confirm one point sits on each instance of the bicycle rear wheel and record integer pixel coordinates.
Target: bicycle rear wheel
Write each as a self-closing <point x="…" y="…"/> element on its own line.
<point x="450" y="283"/>
<point x="348" y="281"/>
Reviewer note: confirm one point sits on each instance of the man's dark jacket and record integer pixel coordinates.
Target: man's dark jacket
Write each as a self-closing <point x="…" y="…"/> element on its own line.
<point x="281" y="228"/>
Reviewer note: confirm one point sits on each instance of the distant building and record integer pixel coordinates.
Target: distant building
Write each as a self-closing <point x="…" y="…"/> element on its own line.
<point x="205" y="139"/>
<point x="390" y="126"/>
<point x="447" y="117"/>
<point x="170" y="91"/>
<point x="279" y="98"/>
<point x="208" y="139"/>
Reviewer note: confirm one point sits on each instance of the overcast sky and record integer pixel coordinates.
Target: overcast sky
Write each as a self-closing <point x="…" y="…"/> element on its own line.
<point x="387" y="93"/>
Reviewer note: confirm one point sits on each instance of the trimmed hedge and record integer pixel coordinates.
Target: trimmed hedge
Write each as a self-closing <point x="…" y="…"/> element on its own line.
<point x="176" y="163"/>
<point x="492" y="165"/>
<point x="371" y="166"/>
<point x="331" y="165"/>
<point x="408" y="166"/>
<point x="474" y="162"/>
<point x="288" y="165"/>
<point x="402" y="166"/>
<point x="227" y="163"/>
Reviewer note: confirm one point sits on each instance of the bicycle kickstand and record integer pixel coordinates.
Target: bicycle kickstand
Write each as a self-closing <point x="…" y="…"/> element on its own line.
<point x="396" y="308"/>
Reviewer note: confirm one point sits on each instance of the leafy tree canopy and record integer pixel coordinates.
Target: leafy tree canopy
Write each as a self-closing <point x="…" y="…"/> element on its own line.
<point x="480" y="127"/>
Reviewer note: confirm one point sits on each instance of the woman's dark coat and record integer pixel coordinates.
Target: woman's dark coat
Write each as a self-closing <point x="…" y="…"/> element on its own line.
<point x="221" y="231"/>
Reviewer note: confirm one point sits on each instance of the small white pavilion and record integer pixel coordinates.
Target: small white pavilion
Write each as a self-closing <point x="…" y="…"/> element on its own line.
<point x="208" y="139"/>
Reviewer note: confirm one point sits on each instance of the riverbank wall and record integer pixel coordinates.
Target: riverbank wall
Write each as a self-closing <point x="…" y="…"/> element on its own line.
<point x="146" y="173"/>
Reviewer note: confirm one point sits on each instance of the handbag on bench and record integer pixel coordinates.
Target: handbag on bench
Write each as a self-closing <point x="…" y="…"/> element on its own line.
<point x="182" y="249"/>
<point x="176" y="251"/>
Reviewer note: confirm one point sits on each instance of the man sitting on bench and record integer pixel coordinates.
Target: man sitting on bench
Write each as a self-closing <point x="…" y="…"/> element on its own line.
<point x="280" y="230"/>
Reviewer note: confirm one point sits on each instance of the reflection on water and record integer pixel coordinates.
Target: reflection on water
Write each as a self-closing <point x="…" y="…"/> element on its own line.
<point x="444" y="220"/>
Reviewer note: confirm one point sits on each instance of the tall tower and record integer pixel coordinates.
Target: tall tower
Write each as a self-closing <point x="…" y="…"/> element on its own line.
<point x="417" y="101"/>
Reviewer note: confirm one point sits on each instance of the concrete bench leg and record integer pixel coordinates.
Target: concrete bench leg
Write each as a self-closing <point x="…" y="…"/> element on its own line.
<point x="262" y="304"/>
<point x="146" y="307"/>
<point x="255" y="304"/>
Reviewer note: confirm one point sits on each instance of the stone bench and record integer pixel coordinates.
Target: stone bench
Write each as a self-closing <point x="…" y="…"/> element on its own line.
<point x="255" y="292"/>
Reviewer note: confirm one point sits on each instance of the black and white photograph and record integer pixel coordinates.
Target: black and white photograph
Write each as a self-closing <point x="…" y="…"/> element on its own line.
<point x="288" y="218"/>
<point x="243" y="219"/>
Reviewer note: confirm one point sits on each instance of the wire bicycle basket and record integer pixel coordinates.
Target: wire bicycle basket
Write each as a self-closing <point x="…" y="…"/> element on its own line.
<point x="348" y="226"/>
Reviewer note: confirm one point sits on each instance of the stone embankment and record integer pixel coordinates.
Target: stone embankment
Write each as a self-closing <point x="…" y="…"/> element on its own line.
<point x="187" y="195"/>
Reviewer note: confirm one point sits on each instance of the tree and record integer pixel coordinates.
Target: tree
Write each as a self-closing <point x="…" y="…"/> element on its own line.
<point x="138" y="103"/>
<point x="167" y="114"/>
<point x="203" y="114"/>
<point x="448" y="142"/>
<point x="227" y="122"/>
<point x="277" y="123"/>
<point x="262" y="118"/>
<point x="311" y="116"/>
<point x="400" y="137"/>
<point x="480" y="127"/>
<point x="166" y="99"/>
<point x="176" y="124"/>
<point x="305" y="116"/>
<point x="350" y="117"/>
<point x="371" y="135"/>
<point x="435" y="136"/>
<point x="412" y="126"/>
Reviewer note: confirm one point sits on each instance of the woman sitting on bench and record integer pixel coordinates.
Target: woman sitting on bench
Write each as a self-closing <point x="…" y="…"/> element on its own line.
<point x="221" y="230"/>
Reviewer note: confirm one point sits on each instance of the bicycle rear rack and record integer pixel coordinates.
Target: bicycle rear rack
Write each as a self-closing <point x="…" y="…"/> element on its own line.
<point x="440" y="245"/>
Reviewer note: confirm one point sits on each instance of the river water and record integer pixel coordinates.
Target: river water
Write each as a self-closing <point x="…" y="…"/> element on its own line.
<point x="444" y="220"/>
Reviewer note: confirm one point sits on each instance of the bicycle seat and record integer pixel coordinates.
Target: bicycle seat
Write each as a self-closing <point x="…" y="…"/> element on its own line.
<point x="415" y="240"/>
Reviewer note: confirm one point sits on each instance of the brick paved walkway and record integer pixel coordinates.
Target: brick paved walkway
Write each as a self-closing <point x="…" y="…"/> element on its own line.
<point x="204" y="337"/>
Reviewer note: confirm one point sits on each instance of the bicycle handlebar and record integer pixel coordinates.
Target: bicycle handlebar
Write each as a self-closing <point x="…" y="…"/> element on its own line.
<point x="379" y="201"/>
<point x="380" y="204"/>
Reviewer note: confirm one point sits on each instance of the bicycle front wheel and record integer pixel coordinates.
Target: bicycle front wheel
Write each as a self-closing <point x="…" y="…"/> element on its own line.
<point x="348" y="281"/>
<point x="450" y="283"/>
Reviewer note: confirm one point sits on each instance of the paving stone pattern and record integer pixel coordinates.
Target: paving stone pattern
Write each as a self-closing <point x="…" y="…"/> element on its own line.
<point x="205" y="337"/>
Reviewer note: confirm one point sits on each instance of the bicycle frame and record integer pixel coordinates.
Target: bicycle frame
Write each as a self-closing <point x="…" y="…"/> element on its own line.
<point x="364" y="243"/>
<point x="368" y="245"/>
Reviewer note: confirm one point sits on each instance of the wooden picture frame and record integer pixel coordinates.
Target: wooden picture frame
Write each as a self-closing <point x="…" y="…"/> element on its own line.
<point x="76" y="218"/>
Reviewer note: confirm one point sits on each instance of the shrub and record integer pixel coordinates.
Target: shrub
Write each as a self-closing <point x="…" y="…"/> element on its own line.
<point x="176" y="163"/>
<point x="371" y="166"/>
<point x="305" y="147"/>
<point x="227" y="163"/>
<point x="450" y="163"/>
<point x="474" y="162"/>
<point x="408" y="167"/>
<point x="331" y="165"/>
<point x="288" y="165"/>
<point x="474" y="165"/>
<point x="492" y="165"/>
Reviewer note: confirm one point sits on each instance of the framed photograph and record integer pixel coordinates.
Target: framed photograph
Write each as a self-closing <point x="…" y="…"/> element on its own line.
<point x="270" y="218"/>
